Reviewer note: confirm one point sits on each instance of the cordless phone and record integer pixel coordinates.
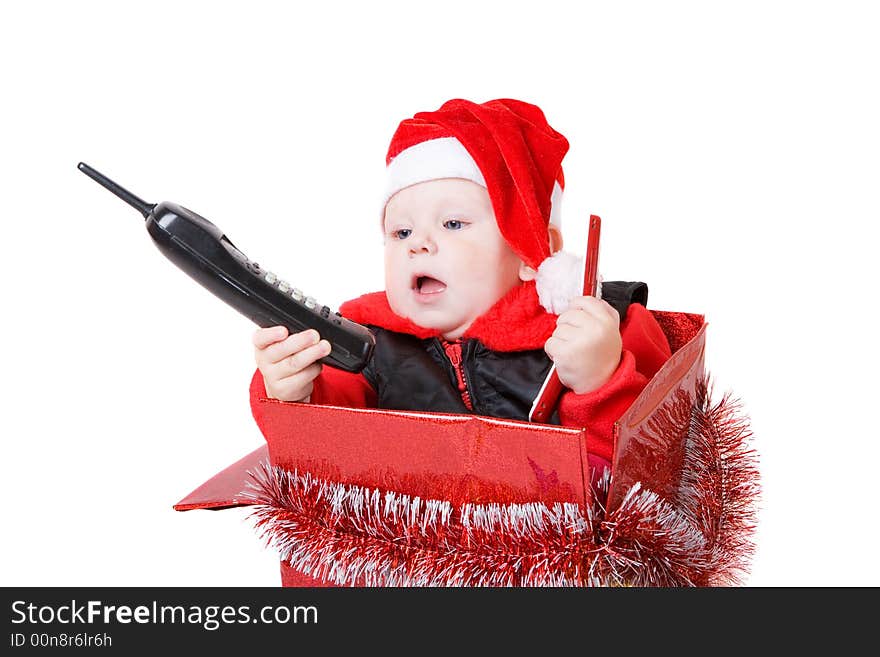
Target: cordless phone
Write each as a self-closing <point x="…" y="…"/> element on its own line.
<point x="201" y="249"/>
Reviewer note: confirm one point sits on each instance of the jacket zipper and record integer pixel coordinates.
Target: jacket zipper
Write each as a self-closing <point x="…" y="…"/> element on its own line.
<point x="453" y="353"/>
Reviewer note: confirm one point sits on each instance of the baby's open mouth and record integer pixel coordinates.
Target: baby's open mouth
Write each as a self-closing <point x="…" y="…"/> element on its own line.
<point x="428" y="285"/>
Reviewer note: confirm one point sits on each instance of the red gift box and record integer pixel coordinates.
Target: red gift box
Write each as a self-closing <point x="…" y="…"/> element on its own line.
<point x="375" y="497"/>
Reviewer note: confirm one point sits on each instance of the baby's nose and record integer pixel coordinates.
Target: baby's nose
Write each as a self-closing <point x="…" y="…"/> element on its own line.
<point x="422" y="243"/>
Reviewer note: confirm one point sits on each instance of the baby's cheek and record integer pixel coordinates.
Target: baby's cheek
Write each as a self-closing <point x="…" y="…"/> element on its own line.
<point x="394" y="298"/>
<point x="398" y="293"/>
<point x="392" y="281"/>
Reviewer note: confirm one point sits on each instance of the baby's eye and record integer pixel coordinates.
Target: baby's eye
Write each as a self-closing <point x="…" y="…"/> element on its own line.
<point x="453" y="224"/>
<point x="401" y="233"/>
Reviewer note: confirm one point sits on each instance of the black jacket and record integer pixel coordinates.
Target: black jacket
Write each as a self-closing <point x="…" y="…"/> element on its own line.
<point x="409" y="373"/>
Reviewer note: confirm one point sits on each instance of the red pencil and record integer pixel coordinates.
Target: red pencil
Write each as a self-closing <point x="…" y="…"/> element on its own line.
<point x="549" y="394"/>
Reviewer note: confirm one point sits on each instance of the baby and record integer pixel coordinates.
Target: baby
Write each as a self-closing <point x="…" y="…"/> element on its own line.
<point x="479" y="299"/>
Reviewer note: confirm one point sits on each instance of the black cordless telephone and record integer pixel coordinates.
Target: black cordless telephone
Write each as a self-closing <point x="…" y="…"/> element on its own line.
<point x="201" y="249"/>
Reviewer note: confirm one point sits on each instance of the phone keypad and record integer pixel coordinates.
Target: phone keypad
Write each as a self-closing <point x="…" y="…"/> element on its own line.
<point x="283" y="286"/>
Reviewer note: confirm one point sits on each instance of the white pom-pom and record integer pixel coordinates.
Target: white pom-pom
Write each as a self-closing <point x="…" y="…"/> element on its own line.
<point x="560" y="277"/>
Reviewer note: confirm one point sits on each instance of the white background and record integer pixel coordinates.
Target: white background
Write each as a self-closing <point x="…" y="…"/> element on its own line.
<point x="732" y="152"/>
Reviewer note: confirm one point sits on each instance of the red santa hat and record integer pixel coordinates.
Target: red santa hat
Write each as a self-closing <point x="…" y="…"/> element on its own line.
<point x="508" y="147"/>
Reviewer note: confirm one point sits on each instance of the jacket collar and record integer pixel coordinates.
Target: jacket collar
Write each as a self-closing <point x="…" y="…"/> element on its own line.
<point x="516" y="322"/>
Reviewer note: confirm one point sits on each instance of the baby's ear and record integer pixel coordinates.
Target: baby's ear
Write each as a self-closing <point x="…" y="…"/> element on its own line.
<point x="526" y="273"/>
<point x="555" y="238"/>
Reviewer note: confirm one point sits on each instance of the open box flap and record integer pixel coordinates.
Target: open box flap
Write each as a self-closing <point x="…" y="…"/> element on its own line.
<point x="642" y="453"/>
<point x="223" y="490"/>
<point x="458" y="458"/>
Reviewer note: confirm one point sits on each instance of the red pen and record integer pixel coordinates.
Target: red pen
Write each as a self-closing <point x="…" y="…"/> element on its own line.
<point x="549" y="394"/>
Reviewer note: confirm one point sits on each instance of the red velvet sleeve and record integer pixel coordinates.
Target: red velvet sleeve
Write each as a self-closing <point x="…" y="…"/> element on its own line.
<point x="335" y="387"/>
<point x="645" y="349"/>
<point x="643" y="336"/>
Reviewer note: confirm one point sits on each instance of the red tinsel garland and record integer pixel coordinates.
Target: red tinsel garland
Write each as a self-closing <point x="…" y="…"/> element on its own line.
<point x="351" y="535"/>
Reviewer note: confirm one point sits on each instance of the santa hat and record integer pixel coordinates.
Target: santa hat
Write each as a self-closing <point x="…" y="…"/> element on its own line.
<point x="508" y="147"/>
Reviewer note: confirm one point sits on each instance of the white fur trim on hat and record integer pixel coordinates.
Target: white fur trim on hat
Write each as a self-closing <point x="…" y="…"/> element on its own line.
<point x="560" y="278"/>
<point x="556" y="205"/>
<point x="444" y="157"/>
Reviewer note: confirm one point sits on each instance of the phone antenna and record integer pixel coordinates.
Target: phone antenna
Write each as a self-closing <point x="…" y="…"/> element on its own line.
<point x="137" y="203"/>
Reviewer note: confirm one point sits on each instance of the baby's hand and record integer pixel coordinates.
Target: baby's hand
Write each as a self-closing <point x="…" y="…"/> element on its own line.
<point x="586" y="344"/>
<point x="287" y="362"/>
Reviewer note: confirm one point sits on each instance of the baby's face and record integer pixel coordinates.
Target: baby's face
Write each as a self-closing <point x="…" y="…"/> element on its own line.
<point x="445" y="260"/>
